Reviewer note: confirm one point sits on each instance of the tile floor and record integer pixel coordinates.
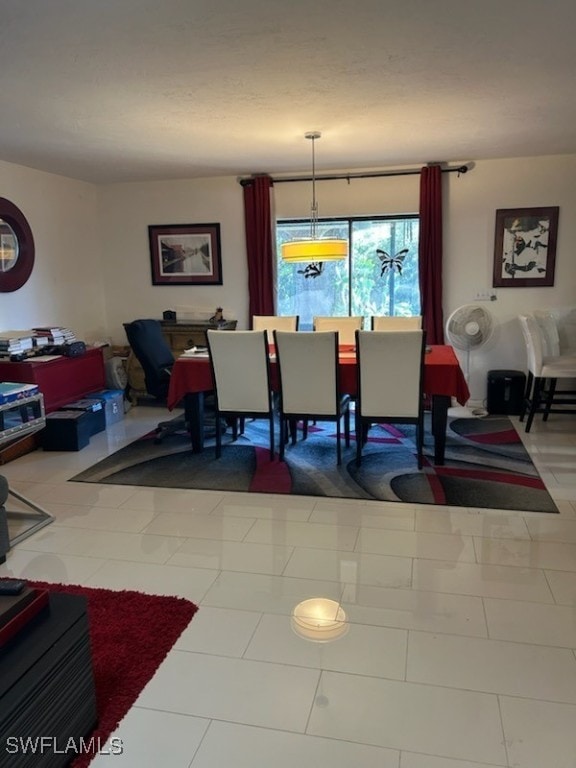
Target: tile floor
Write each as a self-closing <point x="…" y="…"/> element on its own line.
<point x="460" y="649"/>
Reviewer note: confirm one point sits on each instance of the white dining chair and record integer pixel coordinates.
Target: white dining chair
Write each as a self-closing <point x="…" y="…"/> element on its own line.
<point x="390" y="378"/>
<point x="309" y="383"/>
<point x="270" y="323"/>
<point x="396" y="322"/>
<point x="241" y="372"/>
<point x="346" y="326"/>
<point x="543" y="367"/>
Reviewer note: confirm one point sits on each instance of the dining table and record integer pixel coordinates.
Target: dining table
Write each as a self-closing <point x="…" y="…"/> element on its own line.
<point x="443" y="380"/>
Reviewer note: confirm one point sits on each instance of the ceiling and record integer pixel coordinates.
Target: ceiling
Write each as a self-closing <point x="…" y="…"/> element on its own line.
<point x="134" y="90"/>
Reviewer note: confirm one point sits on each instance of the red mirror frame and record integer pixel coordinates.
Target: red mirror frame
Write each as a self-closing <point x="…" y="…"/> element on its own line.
<point x="21" y="271"/>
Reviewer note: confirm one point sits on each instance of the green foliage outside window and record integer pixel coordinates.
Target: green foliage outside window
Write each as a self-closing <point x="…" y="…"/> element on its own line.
<point x="357" y="285"/>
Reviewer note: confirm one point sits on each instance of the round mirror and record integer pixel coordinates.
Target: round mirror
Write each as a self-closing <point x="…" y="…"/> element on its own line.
<point x="8" y="247"/>
<point x="16" y="247"/>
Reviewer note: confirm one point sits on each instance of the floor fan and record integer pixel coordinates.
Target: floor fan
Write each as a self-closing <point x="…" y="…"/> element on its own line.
<point x="468" y="328"/>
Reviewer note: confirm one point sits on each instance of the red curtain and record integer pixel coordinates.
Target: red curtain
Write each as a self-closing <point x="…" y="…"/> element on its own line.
<point x="259" y="245"/>
<point x="430" y="253"/>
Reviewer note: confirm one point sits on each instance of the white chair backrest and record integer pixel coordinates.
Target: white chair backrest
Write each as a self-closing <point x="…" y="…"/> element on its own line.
<point x="390" y="366"/>
<point x="271" y="323"/>
<point x="547" y="324"/>
<point x="396" y="323"/>
<point x="534" y="343"/>
<point x="346" y="326"/>
<point x="308" y="364"/>
<point x="240" y="366"/>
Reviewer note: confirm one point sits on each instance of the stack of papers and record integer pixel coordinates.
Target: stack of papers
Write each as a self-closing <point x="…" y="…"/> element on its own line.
<point x="195" y="351"/>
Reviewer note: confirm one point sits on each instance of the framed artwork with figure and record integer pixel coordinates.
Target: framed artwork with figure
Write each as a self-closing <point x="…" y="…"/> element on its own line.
<point x="185" y="254"/>
<point x="525" y="247"/>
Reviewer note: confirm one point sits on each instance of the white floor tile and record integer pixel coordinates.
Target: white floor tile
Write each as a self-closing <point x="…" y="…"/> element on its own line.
<point x="411" y="609"/>
<point x="539" y="733"/>
<point x="350" y="567"/>
<point x="361" y="650"/>
<point x="365" y="517"/>
<point x="155" y="579"/>
<point x="150" y="738"/>
<point x="265" y="506"/>
<point x="241" y="746"/>
<point x="482" y="580"/>
<point x="270" y="594"/>
<point x="231" y="556"/>
<point x="436" y="546"/>
<point x="552" y="529"/>
<point x="497" y="526"/>
<point x="557" y="556"/>
<point x="249" y="692"/>
<point x="295" y="534"/>
<point x="122" y="546"/>
<point x="200" y="526"/>
<point x="219" y="631"/>
<point x="411" y="760"/>
<point x="173" y="500"/>
<point x="531" y="623"/>
<point x="46" y="566"/>
<point x="408" y="716"/>
<point x="563" y="586"/>
<point x="492" y="666"/>
<point x="101" y="518"/>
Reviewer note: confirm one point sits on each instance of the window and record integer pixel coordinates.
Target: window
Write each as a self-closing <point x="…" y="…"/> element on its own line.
<point x="367" y="283"/>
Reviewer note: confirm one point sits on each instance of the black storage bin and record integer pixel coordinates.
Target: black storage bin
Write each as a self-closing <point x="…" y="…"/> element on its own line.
<point x="66" y="431"/>
<point x="95" y="408"/>
<point x="505" y="392"/>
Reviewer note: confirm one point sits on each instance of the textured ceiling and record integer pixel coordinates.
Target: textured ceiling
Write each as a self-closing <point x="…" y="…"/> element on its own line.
<point x="130" y="90"/>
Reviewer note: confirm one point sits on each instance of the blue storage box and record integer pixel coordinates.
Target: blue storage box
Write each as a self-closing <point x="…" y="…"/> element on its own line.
<point x="113" y="402"/>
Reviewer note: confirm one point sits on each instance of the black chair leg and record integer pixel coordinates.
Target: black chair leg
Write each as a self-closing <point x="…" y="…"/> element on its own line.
<point x="218" y="437"/>
<point x="549" y="399"/>
<point x="535" y="404"/>
<point x="526" y="402"/>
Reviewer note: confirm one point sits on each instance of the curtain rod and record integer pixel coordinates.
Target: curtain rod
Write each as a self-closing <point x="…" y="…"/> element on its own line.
<point x="348" y="176"/>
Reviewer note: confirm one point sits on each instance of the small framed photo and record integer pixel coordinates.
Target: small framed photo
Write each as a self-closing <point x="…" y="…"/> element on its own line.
<point x="525" y="247"/>
<point x="185" y="254"/>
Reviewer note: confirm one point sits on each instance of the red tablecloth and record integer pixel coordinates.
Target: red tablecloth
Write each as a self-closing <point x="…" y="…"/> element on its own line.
<point x="442" y="375"/>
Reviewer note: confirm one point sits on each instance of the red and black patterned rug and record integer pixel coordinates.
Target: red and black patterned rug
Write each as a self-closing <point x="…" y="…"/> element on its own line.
<point x="486" y="466"/>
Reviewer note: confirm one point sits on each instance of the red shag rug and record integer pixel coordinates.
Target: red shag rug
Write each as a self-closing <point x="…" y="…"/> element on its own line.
<point x="130" y="634"/>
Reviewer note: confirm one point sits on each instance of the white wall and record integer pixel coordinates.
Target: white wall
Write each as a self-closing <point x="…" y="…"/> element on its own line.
<point x="66" y="286"/>
<point x="71" y="219"/>
<point x="470" y="203"/>
<point x="126" y="211"/>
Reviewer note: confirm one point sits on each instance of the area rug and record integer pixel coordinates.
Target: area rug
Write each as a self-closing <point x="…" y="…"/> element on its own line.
<point x="486" y="466"/>
<point x="130" y="635"/>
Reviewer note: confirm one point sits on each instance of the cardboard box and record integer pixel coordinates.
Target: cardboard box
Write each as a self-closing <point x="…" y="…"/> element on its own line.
<point x="113" y="402"/>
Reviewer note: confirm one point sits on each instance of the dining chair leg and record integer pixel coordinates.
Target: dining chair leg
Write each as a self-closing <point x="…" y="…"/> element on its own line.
<point x="420" y="442"/>
<point x="283" y="437"/>
<point x="271" y="437"/>
<point x="347" y="427"/>
<point x="527" y="392"/>
<point x="535" y="403"/>
<point x="218" y="437"/>
<point x="549" y="399"/>
<point x="359" y="442"/>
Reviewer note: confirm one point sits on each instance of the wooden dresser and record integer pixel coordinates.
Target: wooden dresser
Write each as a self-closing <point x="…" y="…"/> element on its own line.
<point x="180" y="335"/>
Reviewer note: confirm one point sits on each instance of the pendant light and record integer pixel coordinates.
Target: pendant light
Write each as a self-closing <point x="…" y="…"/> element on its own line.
<point x="314" y="250"/>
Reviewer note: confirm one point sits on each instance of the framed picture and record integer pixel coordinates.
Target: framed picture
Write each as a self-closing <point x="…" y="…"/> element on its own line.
<point x="185" y="254"/>
<point x="525" y="247"/>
